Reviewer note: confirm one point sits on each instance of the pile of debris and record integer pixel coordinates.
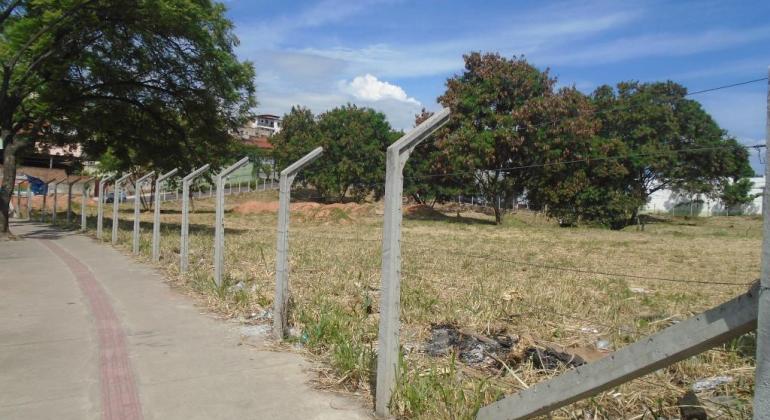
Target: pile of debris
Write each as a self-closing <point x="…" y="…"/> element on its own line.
<point x="493" y="351"/>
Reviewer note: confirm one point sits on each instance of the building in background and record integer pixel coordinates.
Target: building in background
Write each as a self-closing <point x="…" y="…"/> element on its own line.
<point x="264" y="125"/>
<point x="684" y="204"/>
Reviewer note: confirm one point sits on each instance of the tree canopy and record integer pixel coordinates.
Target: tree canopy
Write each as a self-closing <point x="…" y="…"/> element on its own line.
<point x="672" y="141"/>
<point x="354" y="140"/>
<point x="148" y="82"/>
<point x="577" y="157"/>
<point x="502" y="124"/>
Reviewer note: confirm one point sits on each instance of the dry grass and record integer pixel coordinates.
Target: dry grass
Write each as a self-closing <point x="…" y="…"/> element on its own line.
<point x="467" y="272"/>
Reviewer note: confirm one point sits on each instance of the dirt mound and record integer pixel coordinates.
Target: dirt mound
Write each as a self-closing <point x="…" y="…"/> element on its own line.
<point x="309" y="210"/>
<point x="422" y="211"/>
<point x="256" y="207"/>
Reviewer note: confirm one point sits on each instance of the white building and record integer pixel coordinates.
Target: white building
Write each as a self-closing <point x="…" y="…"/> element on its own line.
<point x="667" y="201"/>
<point x="265" y="125"/>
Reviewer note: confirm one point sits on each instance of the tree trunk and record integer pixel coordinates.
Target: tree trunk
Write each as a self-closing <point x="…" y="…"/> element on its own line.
<point x="9" y="180"/>
<point x="498" y="213"/>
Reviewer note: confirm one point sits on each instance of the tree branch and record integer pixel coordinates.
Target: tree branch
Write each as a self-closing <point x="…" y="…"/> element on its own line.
<point x="45" y="29"/>
<point x="7" y="12"/>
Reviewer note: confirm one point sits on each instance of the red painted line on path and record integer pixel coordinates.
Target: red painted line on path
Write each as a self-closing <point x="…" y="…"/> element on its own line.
<point x="120" y="398"/>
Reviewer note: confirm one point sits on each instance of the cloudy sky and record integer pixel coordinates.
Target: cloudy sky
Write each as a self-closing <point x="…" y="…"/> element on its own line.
<point x="395" y="56"/>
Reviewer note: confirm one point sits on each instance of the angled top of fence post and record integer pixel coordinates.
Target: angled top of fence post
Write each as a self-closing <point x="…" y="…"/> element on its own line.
<point x="304" y="161"/>
<point x="144" y="178"/>
<point x="230" y="169"/>
<point x="106" y="178"/>
<point x="419" y="133"/>
<point x="56" y="183"/>
<point x="167" y="175"/>
<point x="123" y="178"/>
<point x="196" y="172"/>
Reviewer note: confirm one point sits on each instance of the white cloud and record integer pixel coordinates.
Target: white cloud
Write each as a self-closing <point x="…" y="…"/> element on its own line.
<point x="369" y="88"/>
<point x="368" y="91"/>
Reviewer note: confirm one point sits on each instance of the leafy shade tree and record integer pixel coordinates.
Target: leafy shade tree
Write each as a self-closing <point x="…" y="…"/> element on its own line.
<point x="577" y="177"/>
<point x="498" y="111"/>
<point x="151" y="83"/>
<point x="737" y="194"/>
<point x="671" y="142"/>
<point x="299" y="135"/>
<point x="354" y="141"/>
<point x="423" y="173"/>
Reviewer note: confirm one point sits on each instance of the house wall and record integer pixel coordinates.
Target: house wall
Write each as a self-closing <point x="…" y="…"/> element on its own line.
<point x="667" y="201"/>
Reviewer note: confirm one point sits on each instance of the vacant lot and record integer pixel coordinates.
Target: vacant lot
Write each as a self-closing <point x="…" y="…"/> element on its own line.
<point x="484" y="307"/>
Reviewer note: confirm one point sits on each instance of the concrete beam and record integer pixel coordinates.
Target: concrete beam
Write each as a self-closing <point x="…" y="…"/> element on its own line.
<point x="678" y="342"/>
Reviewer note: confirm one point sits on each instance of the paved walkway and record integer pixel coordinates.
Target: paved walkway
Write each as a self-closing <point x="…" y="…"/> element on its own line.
<point x="88" y="333"/>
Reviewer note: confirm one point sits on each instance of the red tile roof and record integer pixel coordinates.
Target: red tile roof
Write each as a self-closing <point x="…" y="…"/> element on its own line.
<point x="261" y="142"/>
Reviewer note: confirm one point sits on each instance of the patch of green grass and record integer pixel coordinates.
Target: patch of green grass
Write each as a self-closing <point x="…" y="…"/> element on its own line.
<point x="438" y="391"/>
<point x="344" y="338"/>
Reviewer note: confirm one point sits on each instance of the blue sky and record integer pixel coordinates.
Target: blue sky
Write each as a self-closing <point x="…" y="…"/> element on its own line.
<point x="395" y="56"/>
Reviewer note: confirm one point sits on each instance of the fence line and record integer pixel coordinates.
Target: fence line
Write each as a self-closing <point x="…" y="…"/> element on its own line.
<point x="671" y="344"/>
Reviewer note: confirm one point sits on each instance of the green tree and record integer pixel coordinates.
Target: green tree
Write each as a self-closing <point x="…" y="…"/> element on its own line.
<point x="499" y="114"/>
<point x="354" y="141"/>
<point x="423" y="178"/>
<point x="299" y="135"/>
<point x="152" y="83"/>
<point x="737" y="194"/>
<point x="577" y="177"/>
<point x="671" y="141"/>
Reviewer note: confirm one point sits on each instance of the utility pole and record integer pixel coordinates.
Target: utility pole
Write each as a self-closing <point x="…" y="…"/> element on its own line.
<point x="762" y="380"/>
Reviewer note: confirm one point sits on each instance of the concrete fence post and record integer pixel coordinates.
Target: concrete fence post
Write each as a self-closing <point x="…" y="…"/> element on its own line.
<point x="44" y="208"/>
<point x="84" y="205"/>
<point x="184" y="244"/>
<point x="29" y="200"/>
<point x="156" y="213"/>
<point x="56" y="200"/>
<point x="390" y="299"/>
<point x="137" y="201"/>
<point x="116" y="207"/>
<point x="762" y="380"/>
<point x="17" y="190"/>
<point x="281" y="302"/>
<point x="219" y="228"/>
<point x="69" y="200"/>
<point x="100" y="206"/>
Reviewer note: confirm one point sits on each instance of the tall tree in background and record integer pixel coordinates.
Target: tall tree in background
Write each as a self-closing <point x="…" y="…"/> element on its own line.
<point x="496" y="110"/>
<point x="298" y="136"/>
<point x="423" y="173"/>
<point x="737" y="194"/>
<point x="575" y="177"/>
<point x="672" y="142"/>
<point x="354" y="141"/>
<point x="149" y="82"/>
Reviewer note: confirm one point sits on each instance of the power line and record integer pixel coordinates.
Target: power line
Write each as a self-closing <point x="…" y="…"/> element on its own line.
<point x="762" y="79"/>
<point x="573" y="161"/>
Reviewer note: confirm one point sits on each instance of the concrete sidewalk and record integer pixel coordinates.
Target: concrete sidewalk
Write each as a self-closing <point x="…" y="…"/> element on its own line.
<point x="88" y="333"/>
